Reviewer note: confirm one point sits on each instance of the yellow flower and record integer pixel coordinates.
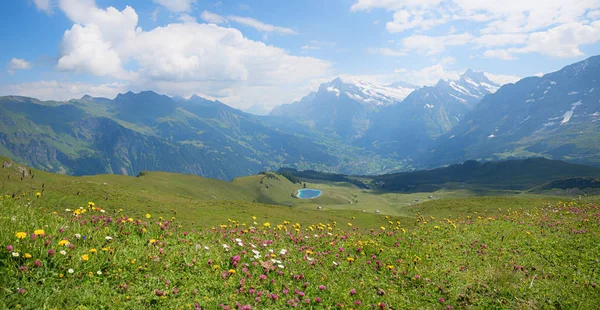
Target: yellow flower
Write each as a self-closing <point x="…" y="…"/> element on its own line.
<point x="350" y="259"/>
<point x="309" y="252"/>
<point x="91" y="204"/>
<point x="63" y="242"/>
<point x="267" y="224"/>
<point x="390" y="267"/>
<point x="231" y="271"/>
<point x="130" y="220"/>
<point x="382" y="228"/>
<point x="85" y="257"/>
<point x="215" y="267"/>
<point x="148" y="215"/>
<point x="349" y="224"/>
<point x="254" y="217"/>
<point x="38" y="194"/>
<point x="93" y="250"/>
<point x="39" y="232"/>
<point x="21" y="235"/>
<point x="152" y="241"/>
<point x="27" y="255"/>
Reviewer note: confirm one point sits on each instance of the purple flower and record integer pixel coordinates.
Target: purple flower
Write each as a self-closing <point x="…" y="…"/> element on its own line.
<point x="318" y="299"/>
<point x="51" y="252"/>
<point x="9" y="248"/>
<point x="441" y="300"/>
<point x="37" y="263"/>
<point x="322" y="287"/>
<point x="352" y="292"/>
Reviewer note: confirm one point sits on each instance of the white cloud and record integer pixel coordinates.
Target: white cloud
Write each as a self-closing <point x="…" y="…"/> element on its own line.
<point x="182" y="58"/>
<point x="386" y="52"/>
<point x="404" y="20"/>
<point x="501" y="39"/>
<point x="435" y="45"/>
<point x="430" y="75"/>
<point x="212" y="18"/>
<point x="55" y="90"/>
<point x="501" y="79"/>
<point x="43" y="5"/>
<point x="523" y="26"/>
<point x="562" y="41"/>
<point x="499" y="54"/>
<point x="176" y="6"/>
<point x="84" y="50"/>
<point x="19" y="64"/>
<point x="260" y="26"/>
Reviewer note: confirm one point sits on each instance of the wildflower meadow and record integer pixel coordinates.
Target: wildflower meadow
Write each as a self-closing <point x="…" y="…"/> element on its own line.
<point x="91" y="258"/>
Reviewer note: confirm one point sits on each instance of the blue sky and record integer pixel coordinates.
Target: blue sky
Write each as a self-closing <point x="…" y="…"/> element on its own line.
<point x="272" y="52"/>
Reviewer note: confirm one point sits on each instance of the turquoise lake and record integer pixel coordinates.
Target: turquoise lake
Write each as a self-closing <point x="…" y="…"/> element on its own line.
<point x="309" y="193"/>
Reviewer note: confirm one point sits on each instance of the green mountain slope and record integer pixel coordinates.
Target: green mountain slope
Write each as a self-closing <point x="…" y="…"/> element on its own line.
<point x="147" y="131"/>
<point x="556" y="116"/>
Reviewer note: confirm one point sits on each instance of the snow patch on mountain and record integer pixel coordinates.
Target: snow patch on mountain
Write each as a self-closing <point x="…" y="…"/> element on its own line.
<point x="332" y="89"/>
<point x="567" y="116"/>
<point x="370" y="93"/>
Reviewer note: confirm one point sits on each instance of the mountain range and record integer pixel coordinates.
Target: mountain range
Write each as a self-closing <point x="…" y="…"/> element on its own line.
<point x="346" y="126"/>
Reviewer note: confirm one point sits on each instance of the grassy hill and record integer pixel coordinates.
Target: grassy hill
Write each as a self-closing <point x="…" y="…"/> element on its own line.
<point x="203" y="202"/>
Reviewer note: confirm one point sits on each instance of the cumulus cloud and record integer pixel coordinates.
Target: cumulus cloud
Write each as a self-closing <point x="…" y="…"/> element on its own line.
<point x="176" y="6"/>
<point x="559" y="42"/>
<point x="182" y="58"/>
<point x="19" y="64"/>
<point x="522" y="26"/>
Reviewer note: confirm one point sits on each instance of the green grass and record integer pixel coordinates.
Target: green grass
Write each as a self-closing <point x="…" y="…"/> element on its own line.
<point x="202" y="202"/>
<point x="544" y="257"/>
<point x="470" y="246"/>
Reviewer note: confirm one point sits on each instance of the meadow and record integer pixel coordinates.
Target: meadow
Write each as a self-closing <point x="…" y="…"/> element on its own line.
<point x="165" y="240"/>
<point x="92" y="258"/>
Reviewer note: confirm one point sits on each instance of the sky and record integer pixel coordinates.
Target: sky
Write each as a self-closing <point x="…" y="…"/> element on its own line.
<point x="247" y="53"/>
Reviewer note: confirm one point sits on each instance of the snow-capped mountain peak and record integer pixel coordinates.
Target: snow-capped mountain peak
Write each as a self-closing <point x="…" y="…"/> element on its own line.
<point x="368" y="93"/>
<point x="469" y="86"/>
